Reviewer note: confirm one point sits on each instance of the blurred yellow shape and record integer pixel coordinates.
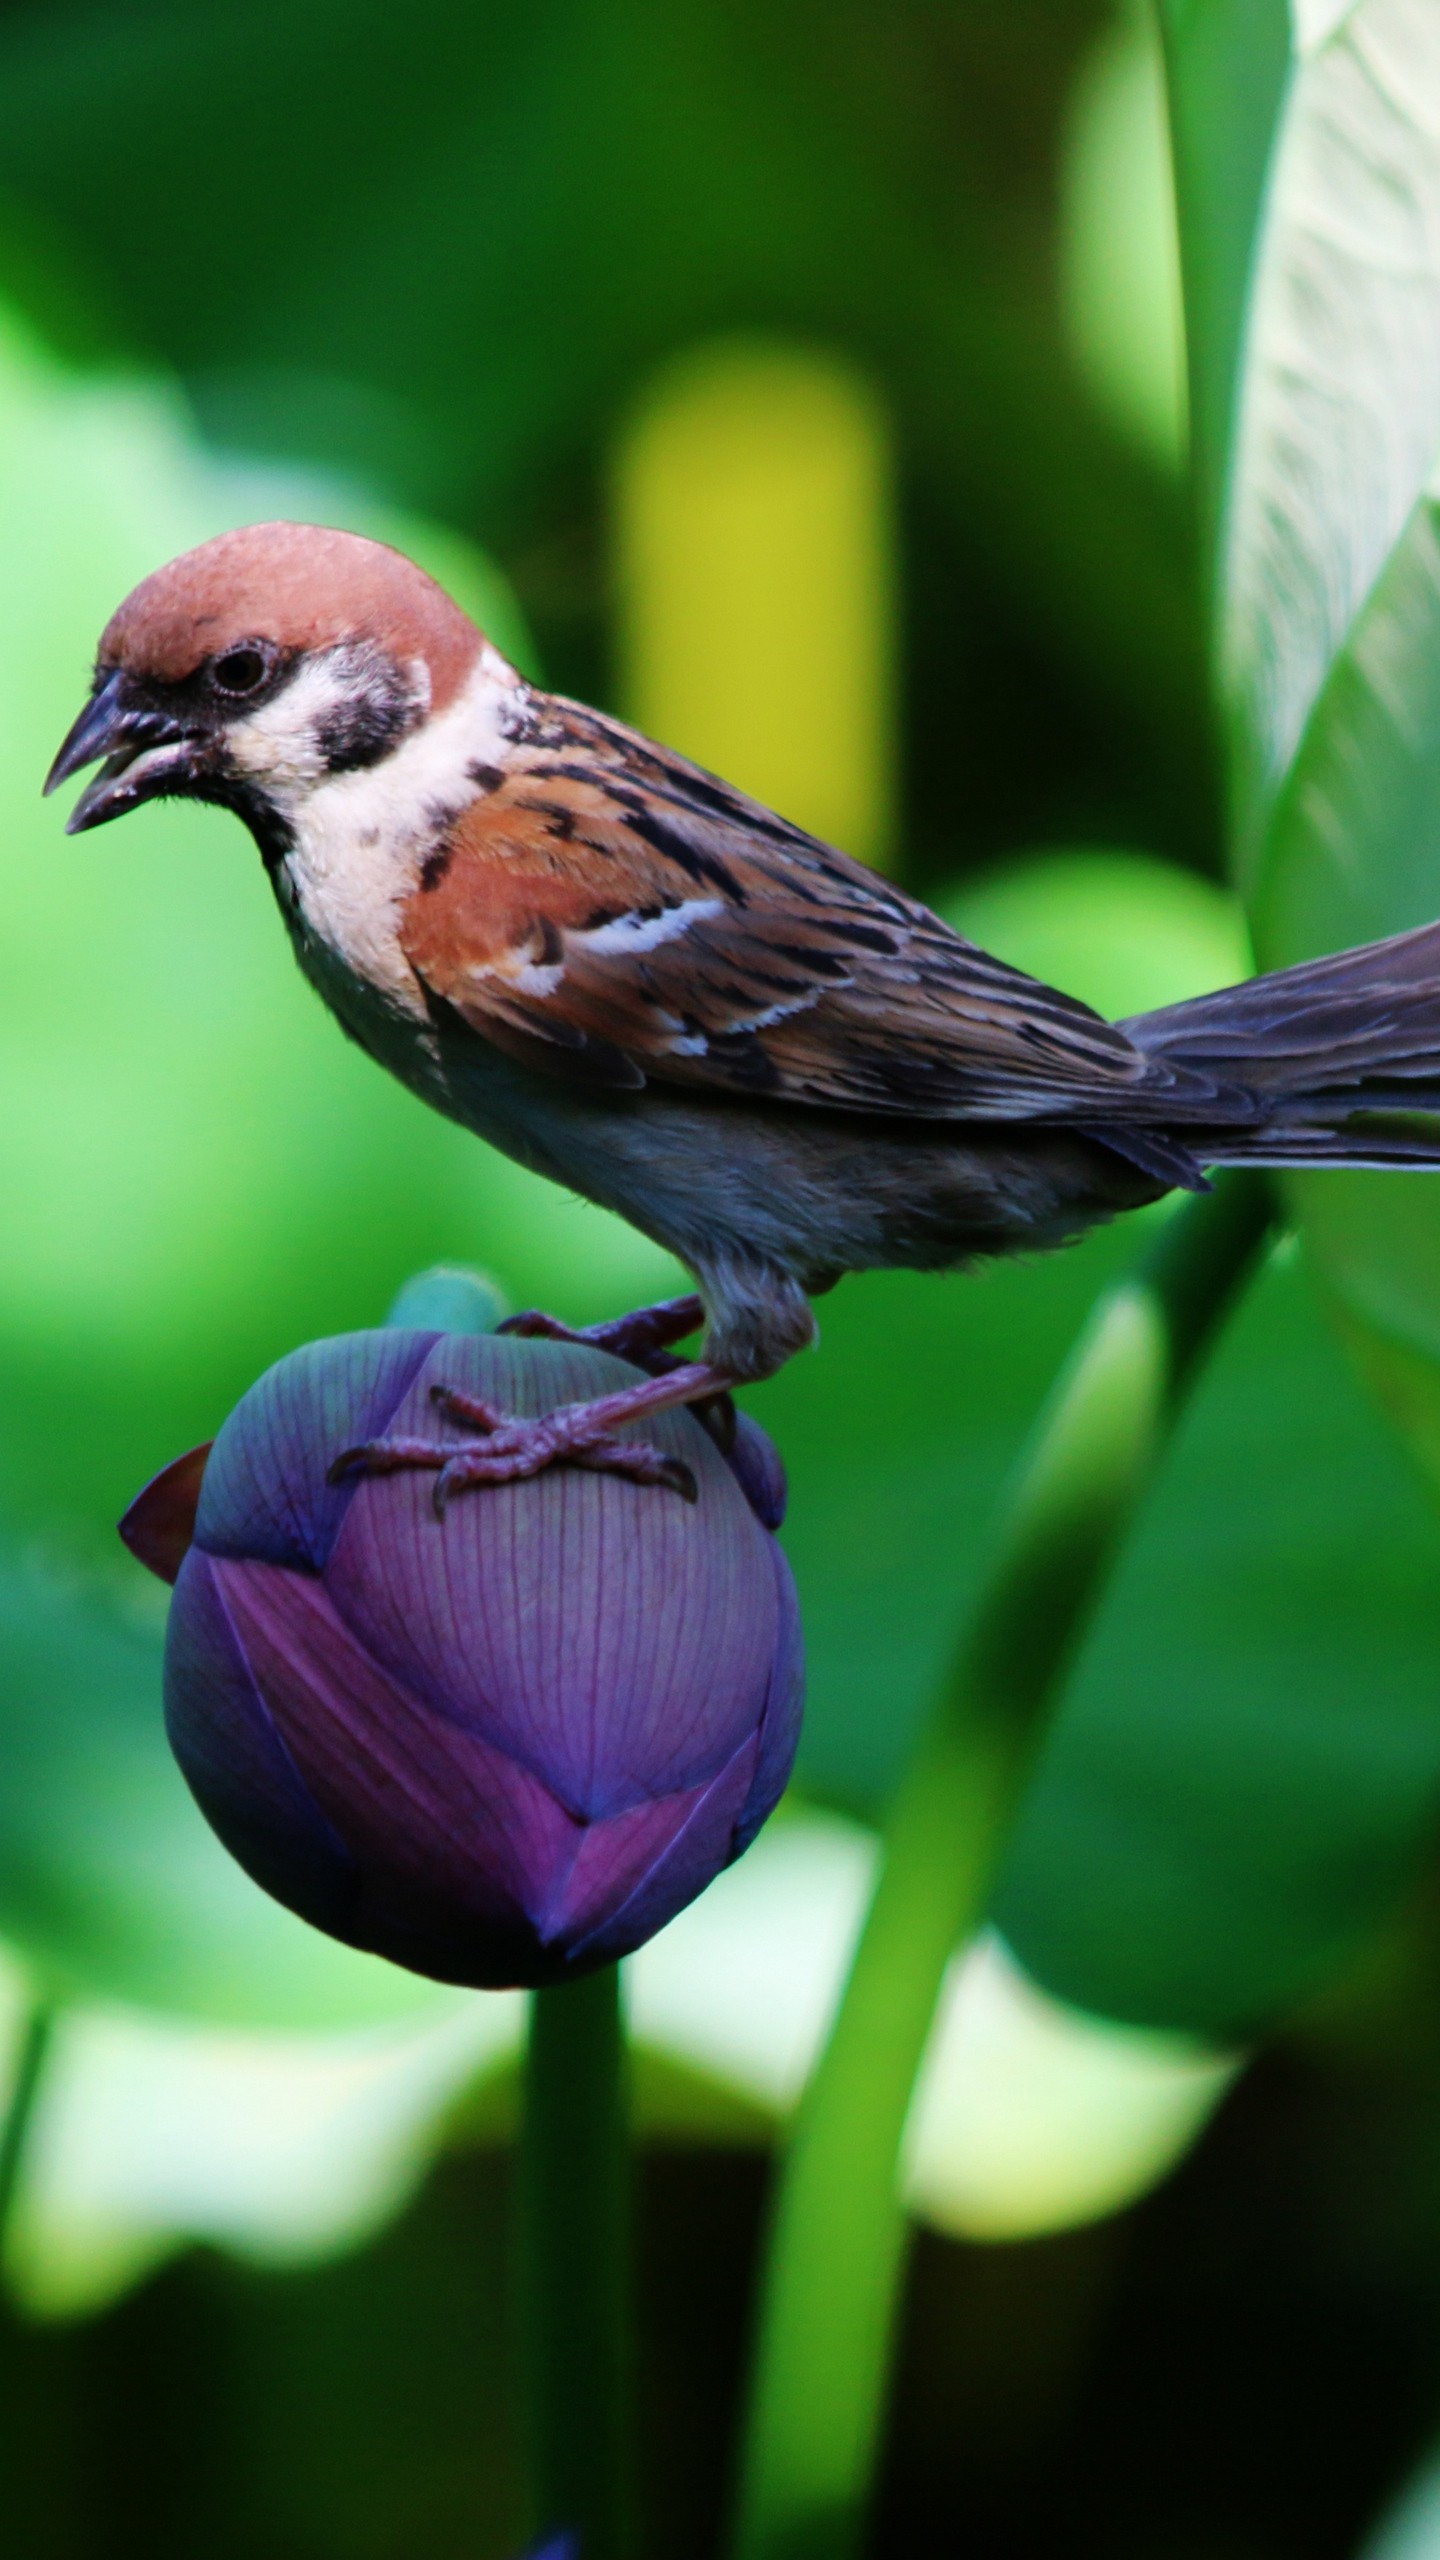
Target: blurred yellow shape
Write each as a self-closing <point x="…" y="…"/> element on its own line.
<point x="151" y="2131"/>
<point x="754" y="567"/>
<point x="1031" y="2116"/>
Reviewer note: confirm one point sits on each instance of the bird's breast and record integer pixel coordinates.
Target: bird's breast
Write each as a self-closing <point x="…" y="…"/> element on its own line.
<point x="362" y="839"/>
<point x="343" y="893"/>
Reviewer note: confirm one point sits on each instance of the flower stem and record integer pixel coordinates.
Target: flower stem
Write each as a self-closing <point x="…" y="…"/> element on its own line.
<point x="574" y="2210"/>
<point x="837" y="2250"/>
<point x="574" y="2185"/>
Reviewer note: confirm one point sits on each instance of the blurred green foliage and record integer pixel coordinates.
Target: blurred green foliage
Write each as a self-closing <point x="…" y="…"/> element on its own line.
<point x="200" y="1173"/>
<point x="543" y="209"/>
<point x="425" y="279"/>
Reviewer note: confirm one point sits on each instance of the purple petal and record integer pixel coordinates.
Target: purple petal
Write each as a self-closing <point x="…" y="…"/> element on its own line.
<point x="701" y="1834"/>
<point x="237" y="1767"/>
<point x="614" y="1639"/>
<point x="458" y="1850"/>
<point x="265" y="1492"/>
<point x="615" y="1858"/>
<point x="159" y="1527"/>
<point x="759" y="1470"/>
<point x="780" y="1727"/>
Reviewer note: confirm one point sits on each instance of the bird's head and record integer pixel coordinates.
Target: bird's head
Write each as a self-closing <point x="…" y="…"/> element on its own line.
<point x="254" y="670"/>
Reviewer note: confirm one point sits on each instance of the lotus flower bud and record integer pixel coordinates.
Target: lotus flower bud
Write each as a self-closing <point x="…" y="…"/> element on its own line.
<point x="503" y="1747"/>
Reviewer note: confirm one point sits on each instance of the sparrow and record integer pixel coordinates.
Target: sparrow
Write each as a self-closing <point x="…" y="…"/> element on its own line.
<point x="636" y="980"/>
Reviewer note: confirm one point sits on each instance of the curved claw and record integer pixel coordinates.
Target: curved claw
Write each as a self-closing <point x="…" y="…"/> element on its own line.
<point x="535" y="1326"/>
<point x="583" y="1435"/>
<point x="642" y="1463"/>
<point x="384" y="1458"/>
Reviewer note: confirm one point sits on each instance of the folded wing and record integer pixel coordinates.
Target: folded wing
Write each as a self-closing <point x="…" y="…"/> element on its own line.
<point x="609" y="912"/>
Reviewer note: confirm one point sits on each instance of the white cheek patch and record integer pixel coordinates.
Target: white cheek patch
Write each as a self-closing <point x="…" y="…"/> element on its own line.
<point x="281" y="745"/>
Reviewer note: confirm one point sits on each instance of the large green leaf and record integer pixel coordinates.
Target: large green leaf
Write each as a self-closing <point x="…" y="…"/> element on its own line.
<point x="1250" y="1752"/>
<point x="1337" y="423"/>
<point x="1352" y="851"/>
<point x="1247" y="1762"/>
<point x="1328" y="567"/>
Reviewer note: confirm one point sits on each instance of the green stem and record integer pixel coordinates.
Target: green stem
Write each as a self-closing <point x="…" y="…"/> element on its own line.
<point x="574" y="2212"/>
<point x="837" y="2249"/>
<point x="31" y="2053"/>
<point x="574" y="2173"/>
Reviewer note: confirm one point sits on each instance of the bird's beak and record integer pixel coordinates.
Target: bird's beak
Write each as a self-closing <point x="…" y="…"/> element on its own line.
<point x="146" y="752"/>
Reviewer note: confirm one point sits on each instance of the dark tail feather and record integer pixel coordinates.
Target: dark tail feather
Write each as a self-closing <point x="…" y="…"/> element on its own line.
<point x="1342" y="1055"/>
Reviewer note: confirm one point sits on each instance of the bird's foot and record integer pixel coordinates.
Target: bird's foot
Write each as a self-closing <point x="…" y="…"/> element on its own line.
<point x="643" y="1339"/>
<point x="508" y="1447"/>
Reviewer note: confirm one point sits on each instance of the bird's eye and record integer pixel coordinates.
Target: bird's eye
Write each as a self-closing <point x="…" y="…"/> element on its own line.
<point x="241" y="670"/>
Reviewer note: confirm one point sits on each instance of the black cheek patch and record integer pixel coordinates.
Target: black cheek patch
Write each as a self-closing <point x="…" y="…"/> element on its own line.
<point x="365" y="727"/>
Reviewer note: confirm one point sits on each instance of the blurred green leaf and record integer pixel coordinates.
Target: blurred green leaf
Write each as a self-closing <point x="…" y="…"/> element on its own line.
<point x="1118" y="929"/>
<point x="150" y="2132"/>
<point x="1031" y="2116"/>
<point x="1409" y="2529"/>
<point x="1120" y="266"/>
<point x="111" y="1884"/>
<point x="1247" y="1765"/>
<point x="1227" y="62"/>
<point x="549" y="205"/>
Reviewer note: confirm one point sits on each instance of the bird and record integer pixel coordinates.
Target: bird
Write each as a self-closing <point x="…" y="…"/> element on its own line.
<point x="635" y="979"/>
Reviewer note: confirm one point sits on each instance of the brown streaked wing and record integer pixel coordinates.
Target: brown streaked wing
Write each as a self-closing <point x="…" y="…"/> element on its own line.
<point x="615" y="913"/>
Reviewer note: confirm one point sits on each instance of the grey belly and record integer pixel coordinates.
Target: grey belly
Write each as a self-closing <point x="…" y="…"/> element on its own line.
<point x="767" y="1205"/>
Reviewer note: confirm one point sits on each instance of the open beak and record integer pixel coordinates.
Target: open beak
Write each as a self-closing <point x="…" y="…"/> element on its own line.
<point x="146" y="753"/>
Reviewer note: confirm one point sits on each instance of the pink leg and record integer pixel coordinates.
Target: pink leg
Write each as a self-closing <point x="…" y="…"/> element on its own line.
<point x="642" y="1339"/>
<point x="582" y="1435"/>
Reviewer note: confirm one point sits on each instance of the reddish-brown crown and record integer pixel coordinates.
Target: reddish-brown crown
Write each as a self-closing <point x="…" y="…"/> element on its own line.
<point x="305" y="586"/>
